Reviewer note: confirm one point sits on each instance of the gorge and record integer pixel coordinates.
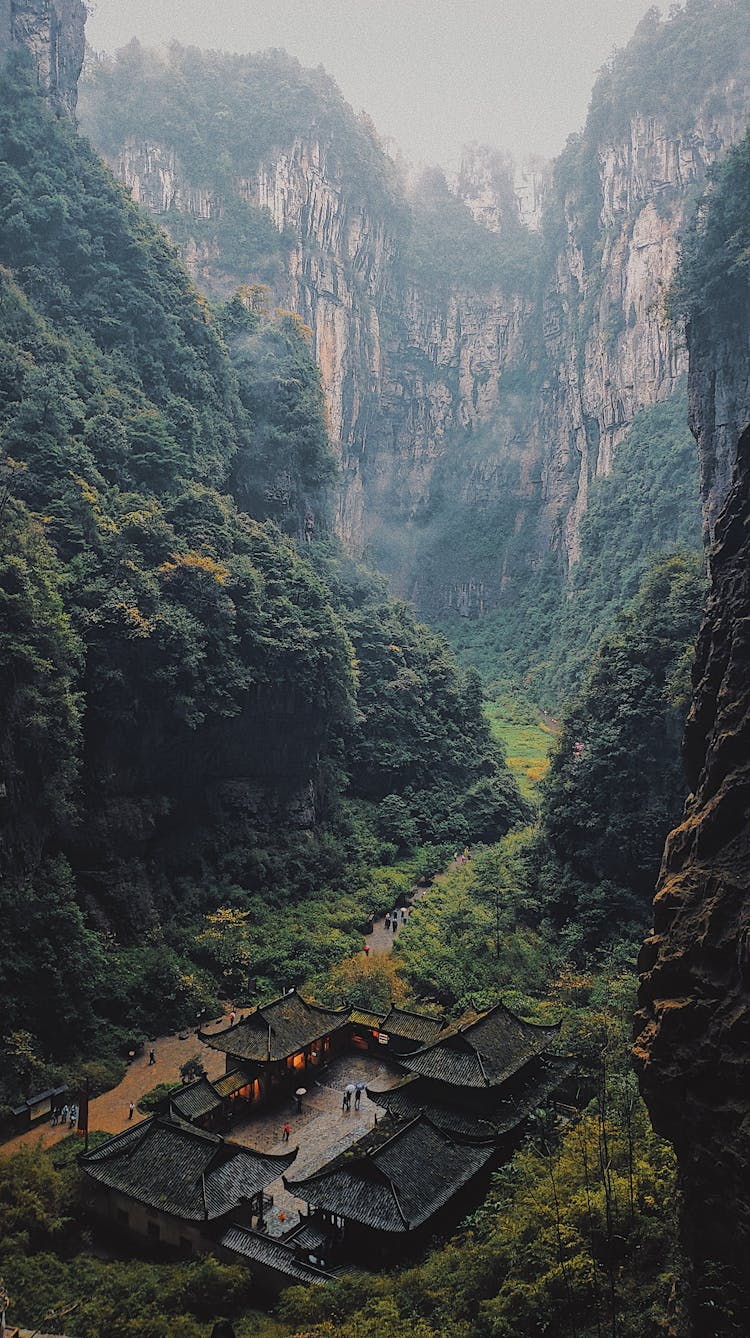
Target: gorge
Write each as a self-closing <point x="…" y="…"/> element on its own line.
<point x="478" y="382"/>
<point x="225" y="747"/>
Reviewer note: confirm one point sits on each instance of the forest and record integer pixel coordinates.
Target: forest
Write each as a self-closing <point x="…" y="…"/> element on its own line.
<point x="225" y="746"/>
<point x="160" y="462"/>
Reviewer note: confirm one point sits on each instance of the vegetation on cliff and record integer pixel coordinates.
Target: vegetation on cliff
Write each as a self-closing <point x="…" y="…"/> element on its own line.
<point x="714" y="269"/>
<point x="187" y="684"/>
<point x="646" y="508"/>
<point x="616" y="784"/>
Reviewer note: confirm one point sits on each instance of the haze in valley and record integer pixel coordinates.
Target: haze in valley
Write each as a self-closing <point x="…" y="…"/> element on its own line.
<point x="433" y="74"/>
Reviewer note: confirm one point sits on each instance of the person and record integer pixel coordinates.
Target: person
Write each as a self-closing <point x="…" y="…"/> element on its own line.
<point x="73" y="1116"/>
<point x="64" y="1113"/>
<point x="55" y="1116"/>
<point x="388" y="919"/>
<point x="350" y="1092"/>
<point x="366" y="949"/>
<point x="131" y="1108"/>
<point x="346" y="1100"/>
<point x="232" y="1018"/>
<point x="394" y="920"/>
<point x="298" y="1099"/>
<point x="286" y="1133"/>
<point x="359" y="1089"/>
<point x="403" y="915"/>
<point x="152" y="1056"/>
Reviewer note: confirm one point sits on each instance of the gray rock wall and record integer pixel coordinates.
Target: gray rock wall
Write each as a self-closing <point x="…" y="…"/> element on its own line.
<point x="52" y="31"/>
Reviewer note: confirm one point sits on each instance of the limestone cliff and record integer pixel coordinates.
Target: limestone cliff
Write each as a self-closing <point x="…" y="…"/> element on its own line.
<point x="693" y="1043"/>
<point x="52" y="31"/>
<point x="486" y="405"/>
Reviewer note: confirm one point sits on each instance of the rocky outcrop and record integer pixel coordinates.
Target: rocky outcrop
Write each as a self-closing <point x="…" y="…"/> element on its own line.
<point x="693" y="1043"/>
<point x="486" y="404"/>
<point x="521" y="399"/>
<point x="52" y="31"/>
<point x="495" y="188"/>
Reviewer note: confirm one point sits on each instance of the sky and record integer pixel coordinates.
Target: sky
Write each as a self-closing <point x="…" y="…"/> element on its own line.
<point x="433" y="74"/>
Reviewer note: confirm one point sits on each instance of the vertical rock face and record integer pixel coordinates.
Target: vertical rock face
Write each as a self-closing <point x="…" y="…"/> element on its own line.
<point x="693" y="1046"/>
<point x="522" y="398"/>
<point x="493" y="186"/>
<point x="52" y="31"/>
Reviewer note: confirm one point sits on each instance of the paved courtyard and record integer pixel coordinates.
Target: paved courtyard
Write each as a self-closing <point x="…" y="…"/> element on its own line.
<point x="321" y="1131"/>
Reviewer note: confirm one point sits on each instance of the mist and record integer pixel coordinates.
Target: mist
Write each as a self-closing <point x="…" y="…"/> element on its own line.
<point x="433" y="74"/>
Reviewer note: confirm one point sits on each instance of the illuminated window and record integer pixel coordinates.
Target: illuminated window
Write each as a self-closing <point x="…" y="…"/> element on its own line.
<point x="299" y="1060"/>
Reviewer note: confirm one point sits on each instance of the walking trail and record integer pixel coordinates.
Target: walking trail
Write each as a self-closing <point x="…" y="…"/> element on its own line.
<point x="110" y="1112"/>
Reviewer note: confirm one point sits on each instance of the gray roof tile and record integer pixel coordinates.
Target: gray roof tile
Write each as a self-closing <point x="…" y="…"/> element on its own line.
<point x="182" y="1170"/>
<point x="483" y="1053"/>
<point x="273" y="1253"/>
<point x="276" y="1030"/>
<point x="399" y="1184"/>
<point x="417" y="1095"/>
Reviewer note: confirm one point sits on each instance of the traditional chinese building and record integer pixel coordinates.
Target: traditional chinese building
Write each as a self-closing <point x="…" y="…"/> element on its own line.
<point x="483" y="1077"/>
<point x="177" y="1185"/>
<point x="211" y="1105"/>
<point x="456" y="1114"/>
<point x="397" y="1029"/>
<point x="389" y="1193"/>
<point x="276" y="1044"/>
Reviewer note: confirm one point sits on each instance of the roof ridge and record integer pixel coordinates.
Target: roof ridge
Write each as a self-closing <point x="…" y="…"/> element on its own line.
<point x="125" y="1137"/>
<point x="397" y="1202"/>
<point x="185" y="1127"/>
<point x="481" y="1065"/>
<point x="412" y="1012"/>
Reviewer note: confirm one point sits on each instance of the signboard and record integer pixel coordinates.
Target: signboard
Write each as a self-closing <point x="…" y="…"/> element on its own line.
<point x="38" y="1109"/>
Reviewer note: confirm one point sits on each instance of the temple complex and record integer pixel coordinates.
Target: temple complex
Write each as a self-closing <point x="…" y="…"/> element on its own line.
<point x="459" y="1100"/>
<point x="456" y="1114"/>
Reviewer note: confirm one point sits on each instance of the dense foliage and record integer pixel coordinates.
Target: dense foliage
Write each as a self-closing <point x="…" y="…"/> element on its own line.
<point x="714" y="271"/>
<point x="647" y="507"/>
<point x="616" y="785"/>
<point x="668" y="61"/>
<point x="447" y="247"/>
<point x="576" y="1234"/>
<point x="182" y="707"/>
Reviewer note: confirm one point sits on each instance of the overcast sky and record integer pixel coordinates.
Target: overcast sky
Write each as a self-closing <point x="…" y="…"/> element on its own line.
<point x="432" y="74"/>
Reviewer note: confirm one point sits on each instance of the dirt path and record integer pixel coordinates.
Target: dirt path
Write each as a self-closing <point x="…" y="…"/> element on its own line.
<point x="109" y="1112"/>
<point x="382" y="938"/>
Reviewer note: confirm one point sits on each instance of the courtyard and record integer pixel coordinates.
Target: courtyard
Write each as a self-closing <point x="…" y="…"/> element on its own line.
<point x="321" y="1130"/>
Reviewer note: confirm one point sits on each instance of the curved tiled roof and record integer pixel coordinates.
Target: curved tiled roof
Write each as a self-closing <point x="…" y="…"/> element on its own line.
<point x="195" y="1100"/>
<point x="399" y="1184"/>
<point x="229" y="1083"/>
<point x="417" y="1095"/>
<point x="273" y="1254"/>
<point x="276" y="1030"/>
<point x="182" y="1170"/>
<point x="483" y="1053"/>
<point x="418" y="1027"/>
